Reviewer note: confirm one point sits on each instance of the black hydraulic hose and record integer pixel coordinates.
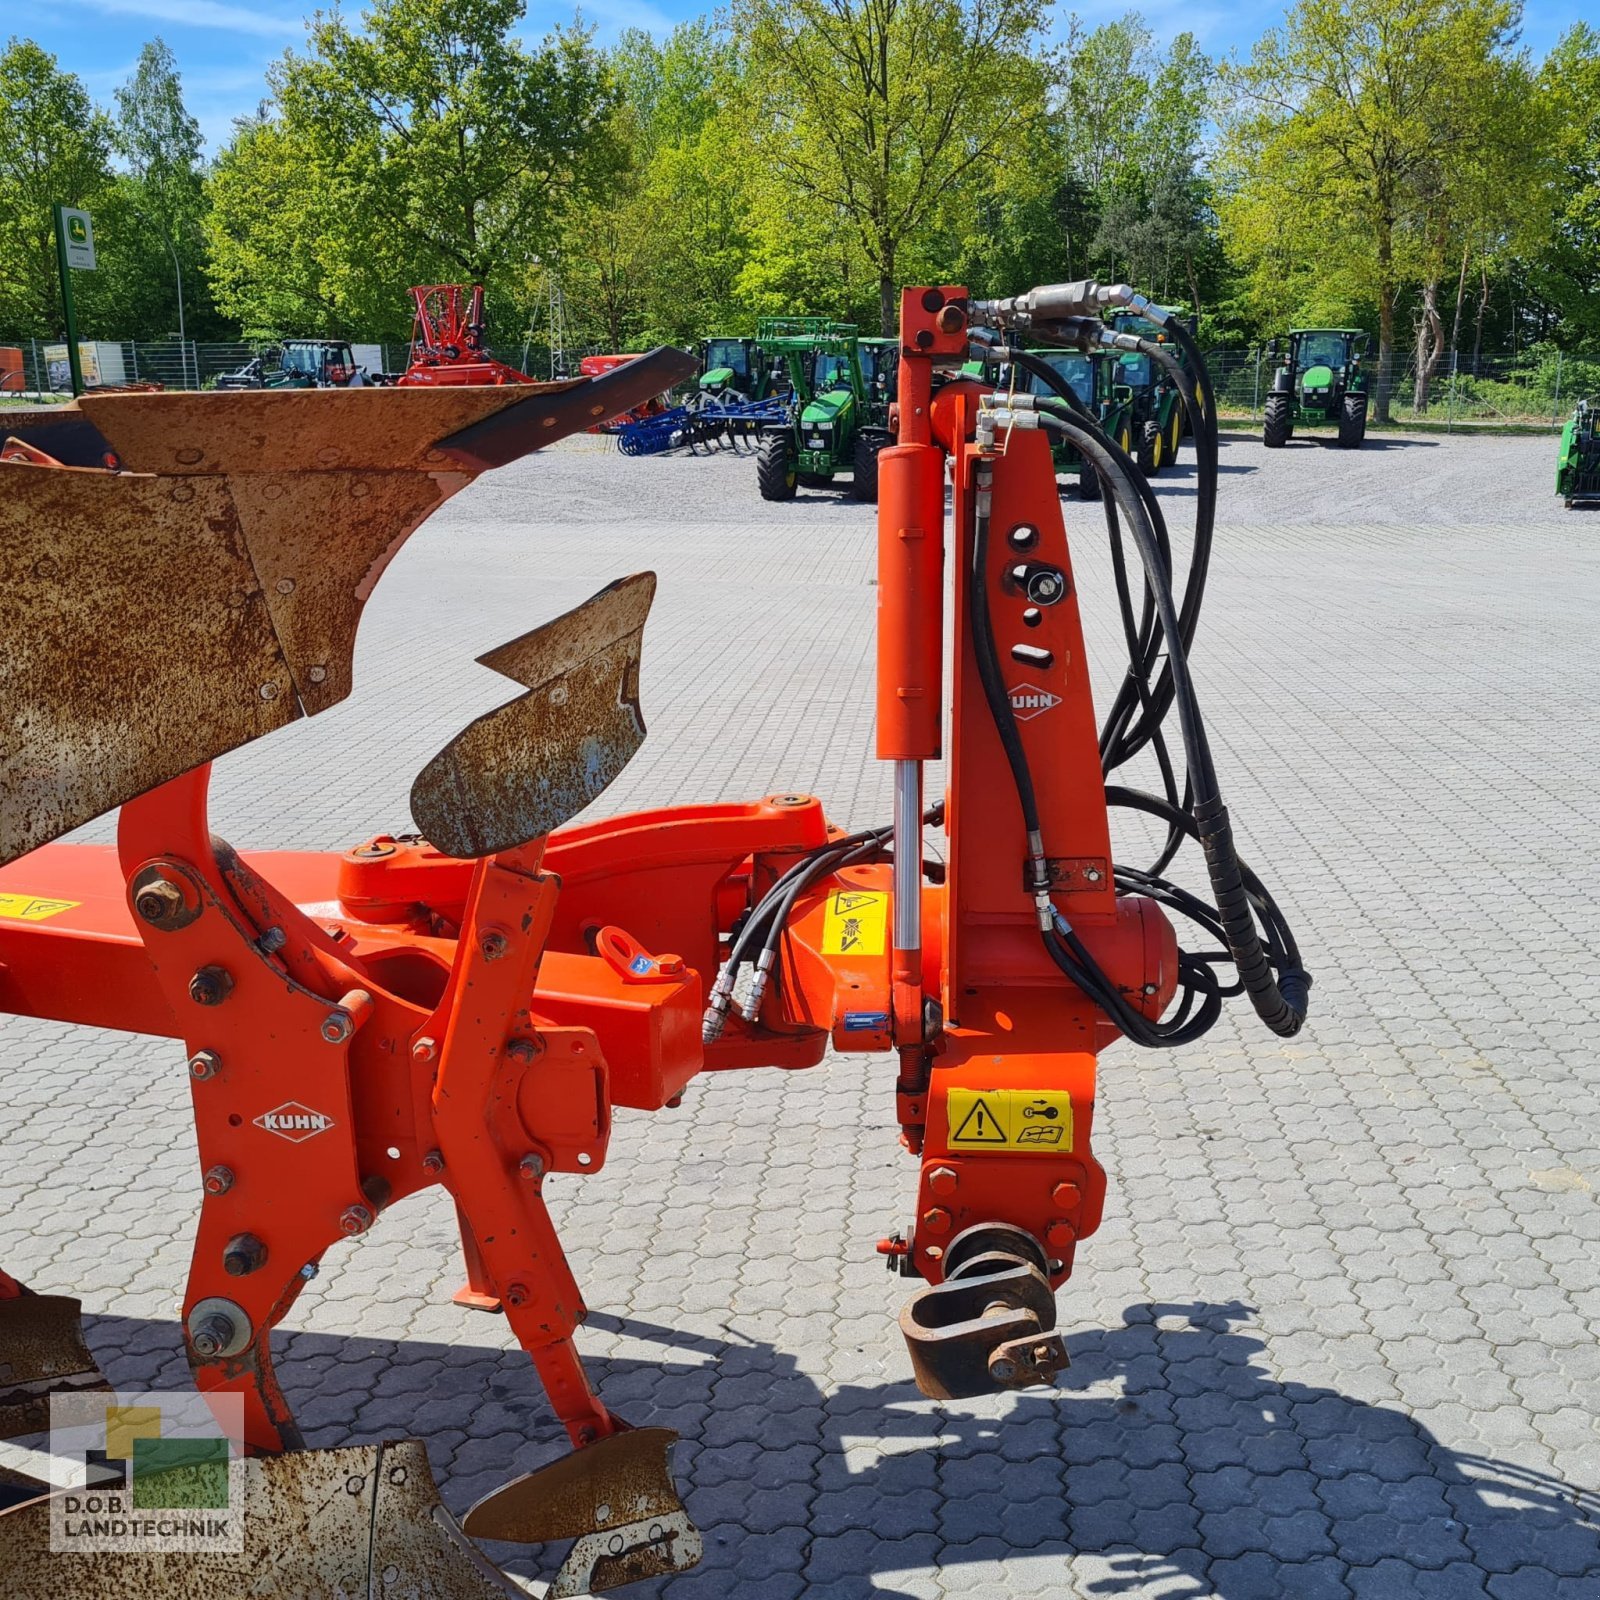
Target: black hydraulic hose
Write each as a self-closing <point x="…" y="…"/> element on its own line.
<point x="1279" y="1000"/>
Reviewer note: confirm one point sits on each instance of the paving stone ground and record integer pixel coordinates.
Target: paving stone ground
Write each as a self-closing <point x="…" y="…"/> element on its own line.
<point x="1337" y="1335"/>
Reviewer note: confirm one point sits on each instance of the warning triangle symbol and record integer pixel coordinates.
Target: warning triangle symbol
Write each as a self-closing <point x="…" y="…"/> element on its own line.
<point x="852" y="902"/>
<point x="979" y="1126"/>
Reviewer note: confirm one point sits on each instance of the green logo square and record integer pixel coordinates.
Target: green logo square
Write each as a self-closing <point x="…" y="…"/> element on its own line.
<point x="173" y="1474"/>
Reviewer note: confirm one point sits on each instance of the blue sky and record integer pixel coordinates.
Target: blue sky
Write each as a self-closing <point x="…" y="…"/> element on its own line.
<point x="223" y="46"/>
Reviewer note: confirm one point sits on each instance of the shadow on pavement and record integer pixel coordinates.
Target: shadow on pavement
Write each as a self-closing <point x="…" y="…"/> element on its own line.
<point x="1203" y="1475"/>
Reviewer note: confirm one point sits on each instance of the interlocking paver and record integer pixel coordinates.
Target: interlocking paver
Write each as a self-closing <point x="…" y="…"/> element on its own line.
<point x="1337" y="1335"/>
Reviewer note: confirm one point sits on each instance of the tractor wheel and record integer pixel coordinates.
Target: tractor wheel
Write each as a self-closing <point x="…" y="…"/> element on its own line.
<point x="1352" y="422"/>
<point x="1175" y="432"/>
<point x="775" y="474"/>
<point x="1152" y="448"/>
<point x="1278" y="427"/>
<point x="1125" y="439"/>
<point x="1088" y="483"/>
<point x="864" y="483"/>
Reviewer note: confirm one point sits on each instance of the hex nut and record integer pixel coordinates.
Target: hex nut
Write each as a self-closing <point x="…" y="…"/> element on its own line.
<point x="204" y="1064"/>
<point x="218" y="1180"/>
<point x="210" y="986"/>
<point x="159" y="901"/>
<point x="354" y="1220"/>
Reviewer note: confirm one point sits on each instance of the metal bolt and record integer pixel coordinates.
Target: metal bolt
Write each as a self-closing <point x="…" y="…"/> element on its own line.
<point x="218" y="1180"/>
<point x="272" y="941"/>
<point x="284" y="586"/>
<point x="212" y="1336"/>
<point x="936" y="1220"/>
<point x="951" y="319"/>
<point x="210" y="986"/>
<point x="531" y="1166"/>
<point x="338" y="1026"/>
<point x="1067" y="1195"/>
<point x="524" y="1051"/>
<point x="1002" y="1370"/>
<point x="494" y="946"/>
<point x="244" y="1254"/>
<point x="1059" y="1235"/>
<point x="204" y="1064"/>
<point x="269" y="691"/>
<point x="517" y="1295"/>
<point x="158" y="901"/>
<point x="433" y="1163"/>
<point x="424" y="1050"/>
<point x="942" y="1180"/>
<point x="309" y="1271"/>
<point x="356" y="1219"/>
<point x="317" y="674"/>
<point x="1151" y="989"/>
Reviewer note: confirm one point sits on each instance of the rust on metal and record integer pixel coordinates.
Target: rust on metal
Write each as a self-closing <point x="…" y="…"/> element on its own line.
<point x="616" y="1498"/>
<point x="358" y="1523"/>
<point x="42" y="1352"/>
<point x="135" y="642"/>
<point x="523" y="769"/>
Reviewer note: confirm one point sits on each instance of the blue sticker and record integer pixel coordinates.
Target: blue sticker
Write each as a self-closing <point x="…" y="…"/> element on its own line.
<point x="641" y="964"/>
<point x="865" y="1021"/>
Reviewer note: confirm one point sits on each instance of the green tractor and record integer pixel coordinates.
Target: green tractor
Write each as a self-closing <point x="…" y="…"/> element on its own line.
<point x="1578" y="463"/>
<point x="1157" y="409"/>
<point x="733" y="370"/>
<point x="837" y="422"/>
<point x="1093" y="378"/>
<point x="1319" y="380"/>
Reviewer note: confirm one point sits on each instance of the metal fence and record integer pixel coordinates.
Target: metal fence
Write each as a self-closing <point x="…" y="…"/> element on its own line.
<point x="1530" y="387"/>
<point x="1537" y="386"/>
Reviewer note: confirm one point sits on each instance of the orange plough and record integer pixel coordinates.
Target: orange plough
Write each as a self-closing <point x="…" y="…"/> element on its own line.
<point x="467" y="1009"/>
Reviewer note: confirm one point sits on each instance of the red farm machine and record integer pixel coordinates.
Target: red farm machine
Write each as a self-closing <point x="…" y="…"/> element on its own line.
<point x="448" y="340"/>
<point x="464" y="1009"/>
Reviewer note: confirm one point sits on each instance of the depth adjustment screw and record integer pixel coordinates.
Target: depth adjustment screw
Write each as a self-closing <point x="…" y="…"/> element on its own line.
<point x="210" y="986"/>
<point x="159" y="901"/>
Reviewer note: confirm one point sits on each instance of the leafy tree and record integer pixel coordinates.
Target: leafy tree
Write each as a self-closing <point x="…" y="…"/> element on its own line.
<point x="54" y="150"/>
<point x="430" y="145"/>
<point x="1343" y="123"/>
<point x="871" y="115"/>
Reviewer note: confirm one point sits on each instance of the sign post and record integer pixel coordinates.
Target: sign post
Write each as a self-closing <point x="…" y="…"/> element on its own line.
<point x="74" y="252"/>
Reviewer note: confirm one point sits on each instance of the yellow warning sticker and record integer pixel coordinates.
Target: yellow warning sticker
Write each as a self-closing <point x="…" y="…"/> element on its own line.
<point x="855" y="924"/>
<point x="1037" y="1120"/>
<point x="32" y="907"/>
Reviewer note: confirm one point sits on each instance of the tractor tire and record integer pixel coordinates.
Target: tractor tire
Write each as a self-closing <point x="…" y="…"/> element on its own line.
<point x="864" y="480"/>
<point x="1353" y="422"/>
<point x="1175" y="431"/>
<point x="1152" y="448"/>
<point x="1278" y="427"/>
<point x="1088" y="483"/>
<point x="775" y="474"/>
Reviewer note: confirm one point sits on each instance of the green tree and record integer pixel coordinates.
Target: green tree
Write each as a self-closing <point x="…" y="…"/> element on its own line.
<point x="54" y="149"/>
<point x="430" y="145"/>
<point x="871" y="116"/>
<point x="1342" y="126"/>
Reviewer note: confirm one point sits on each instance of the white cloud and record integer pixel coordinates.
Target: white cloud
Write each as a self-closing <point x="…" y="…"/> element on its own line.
<point x="205" y="14"/>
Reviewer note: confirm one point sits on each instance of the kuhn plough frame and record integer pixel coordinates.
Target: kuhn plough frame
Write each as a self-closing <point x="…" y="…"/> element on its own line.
<point x="466" y="1009"/>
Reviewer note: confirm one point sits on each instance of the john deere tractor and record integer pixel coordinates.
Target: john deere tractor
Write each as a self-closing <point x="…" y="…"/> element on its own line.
<point x="836" y="422"/>
<point x="733" y="370"/>
<point x="1578" y="464"/>
<point x="1155" y="406"/>
<point x="1319" y="380"/>
<point x="1093" y="378"/>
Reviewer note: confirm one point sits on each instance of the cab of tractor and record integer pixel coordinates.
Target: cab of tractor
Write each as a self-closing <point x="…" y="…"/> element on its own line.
<point x="1156" y="408"/>
<point x="732" y="370"/>
<point x="835" y="424"/>
<point x="1319" y="378"/>
<point x="316" y="364"/>
<point x="1578" y="459"/>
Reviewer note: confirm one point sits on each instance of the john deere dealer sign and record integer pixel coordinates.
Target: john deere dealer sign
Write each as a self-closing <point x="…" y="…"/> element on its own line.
<point x="78" y="232"/>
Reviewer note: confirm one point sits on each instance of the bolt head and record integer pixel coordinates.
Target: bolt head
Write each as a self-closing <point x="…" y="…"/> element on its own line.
<point x="424" y="1050"/>
<point x="517" y="1295"/>
<point x="338" y="1026"/>
<point x="943" y="1180"/>
<point x="1002" y="1370"/>
<point x="936" y="1220"/>
<point x="1059" y="1235"/>
<point x="204" y="1064"/>
<point x="1067" y="1195"/>
<point x="212" y="1337"/>
<point x="531" y="1166"/>
<point x="210" y="986"/>
<point x="494" y="946"/>
<point x="159" y="901"/>
<point x="355" y="1219"/>
<point x="523" y="1051"/>
<point x="433" y="1163"/>
<point x="218" y="1180"/>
